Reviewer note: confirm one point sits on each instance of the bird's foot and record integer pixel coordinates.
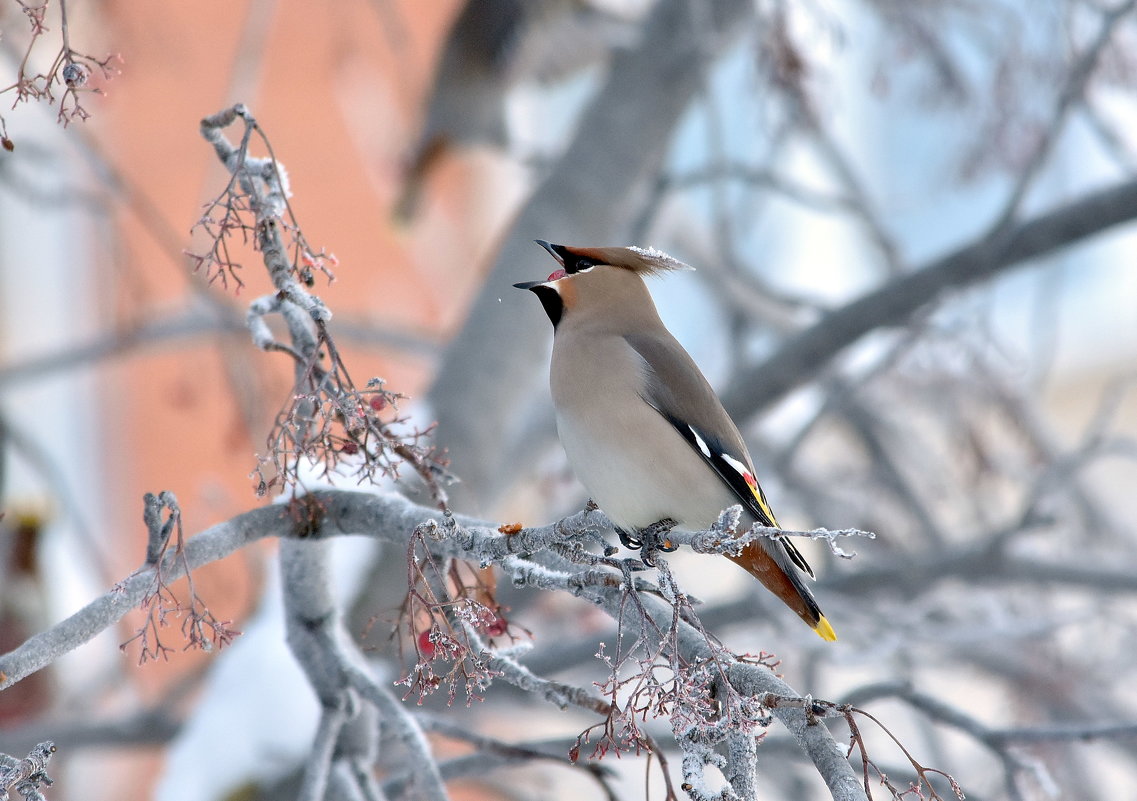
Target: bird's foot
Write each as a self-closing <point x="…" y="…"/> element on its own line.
<point x="653" y="540"/>
<point x="655" y="535"/>
<point x="627" y="540"/>
<point x="651" y="536"/>
<point x="649" y="540"/>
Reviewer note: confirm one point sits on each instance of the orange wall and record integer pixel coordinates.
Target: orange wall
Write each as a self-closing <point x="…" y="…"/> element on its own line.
<point x="337" y="89"/>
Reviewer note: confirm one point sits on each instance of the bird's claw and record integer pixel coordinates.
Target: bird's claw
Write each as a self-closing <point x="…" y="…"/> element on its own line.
<point x="649" y="540"/>
<point x="654" y="535"/>
<point x="627" y="540"/>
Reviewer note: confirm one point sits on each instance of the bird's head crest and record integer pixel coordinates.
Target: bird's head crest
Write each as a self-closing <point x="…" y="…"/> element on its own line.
<point x="644" y="261"/>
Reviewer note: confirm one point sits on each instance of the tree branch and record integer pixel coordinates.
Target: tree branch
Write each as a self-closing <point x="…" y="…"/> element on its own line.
<point x="804" y="356"/>
<point x="394" y="519"/>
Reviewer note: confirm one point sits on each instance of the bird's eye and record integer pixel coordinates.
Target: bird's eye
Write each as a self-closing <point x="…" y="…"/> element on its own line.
<point x="582" y="266"/>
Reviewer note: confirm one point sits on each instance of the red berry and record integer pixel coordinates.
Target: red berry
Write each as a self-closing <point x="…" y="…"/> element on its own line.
<point x="425" y="646"/>
<point x="497" y="627"/>
<point x="378" y="403"/>
<point x="350" y="448"/>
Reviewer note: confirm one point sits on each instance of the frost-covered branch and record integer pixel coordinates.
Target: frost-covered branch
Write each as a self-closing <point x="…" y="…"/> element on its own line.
<point x="394" y="519"/>
<point x="723" y="536"/>
<point x="328" y="417"/>
<point x="23" y="777"/>
<point x="348" y="731"/>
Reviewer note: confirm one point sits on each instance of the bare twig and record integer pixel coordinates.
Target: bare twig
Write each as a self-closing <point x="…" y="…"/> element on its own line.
<point x="70" y="69"/>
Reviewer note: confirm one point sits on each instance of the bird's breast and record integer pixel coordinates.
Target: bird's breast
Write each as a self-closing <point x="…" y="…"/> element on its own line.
<point x="633" y="463"/>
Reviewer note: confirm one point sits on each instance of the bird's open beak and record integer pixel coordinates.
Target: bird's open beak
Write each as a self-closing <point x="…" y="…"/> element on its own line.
<point x="556" y="251"/>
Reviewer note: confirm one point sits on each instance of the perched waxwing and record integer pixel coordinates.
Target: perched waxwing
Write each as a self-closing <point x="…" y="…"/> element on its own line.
<point x="642" y="429"/>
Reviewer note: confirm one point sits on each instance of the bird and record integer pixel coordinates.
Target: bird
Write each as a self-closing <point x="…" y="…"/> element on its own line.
<point x="642" y="428"/>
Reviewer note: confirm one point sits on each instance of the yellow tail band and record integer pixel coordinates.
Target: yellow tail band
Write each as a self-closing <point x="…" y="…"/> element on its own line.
<point x="824" y="630"/>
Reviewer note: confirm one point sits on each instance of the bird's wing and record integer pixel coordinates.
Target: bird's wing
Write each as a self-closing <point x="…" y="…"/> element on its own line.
<point x="677" y="390"/>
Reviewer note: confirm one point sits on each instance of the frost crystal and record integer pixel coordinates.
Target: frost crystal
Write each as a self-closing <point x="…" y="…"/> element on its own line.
<point x="661" y="259"/>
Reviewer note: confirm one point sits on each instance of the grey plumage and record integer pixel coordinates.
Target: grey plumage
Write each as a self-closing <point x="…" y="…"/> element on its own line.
<point x="642" y="428"/>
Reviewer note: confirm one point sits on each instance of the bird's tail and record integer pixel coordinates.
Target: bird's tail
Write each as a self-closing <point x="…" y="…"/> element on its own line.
<point x="780" y="577"/>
